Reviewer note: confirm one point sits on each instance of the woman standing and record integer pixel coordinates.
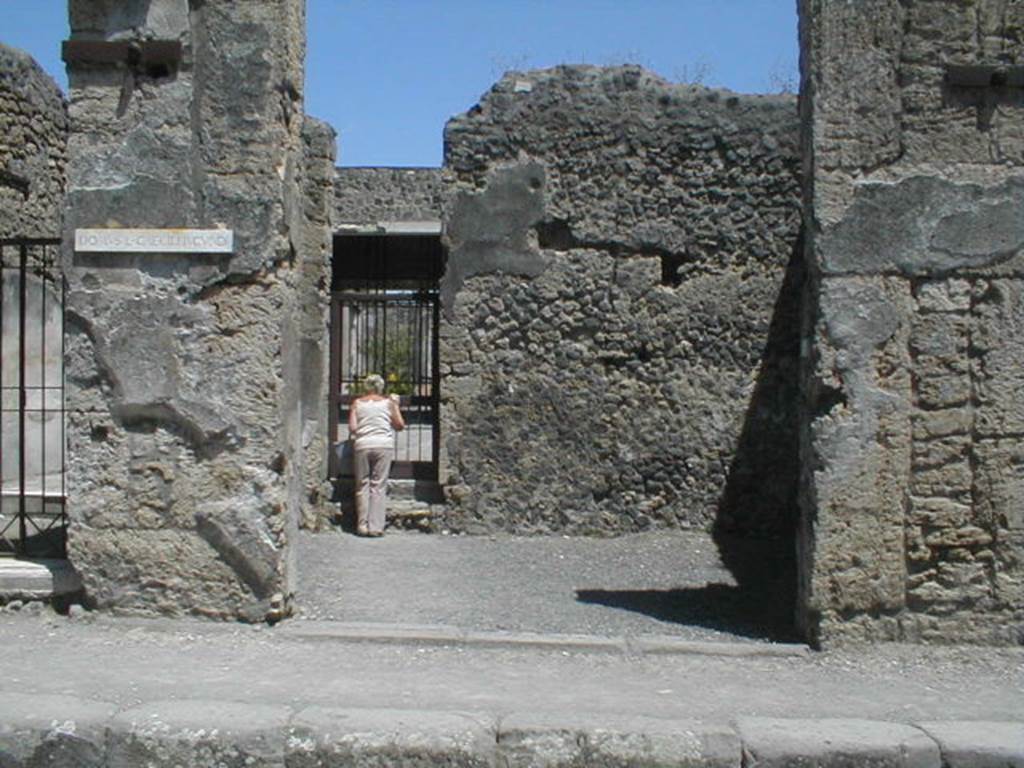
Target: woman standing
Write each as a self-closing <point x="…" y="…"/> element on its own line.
<point x="372" y="422"/>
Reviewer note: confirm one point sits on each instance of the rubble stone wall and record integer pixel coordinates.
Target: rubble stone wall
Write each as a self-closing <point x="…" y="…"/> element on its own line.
<point x="33" y="143"/>
<point x="185" y="371"/>
<point x="911" y="525"/>
<point x="369" y="195"/>
<point x="620" y="329"/>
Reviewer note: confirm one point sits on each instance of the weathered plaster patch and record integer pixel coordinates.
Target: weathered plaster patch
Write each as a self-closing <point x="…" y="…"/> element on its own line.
<point x="489" y="231"/>
<point x="925" y="225"/>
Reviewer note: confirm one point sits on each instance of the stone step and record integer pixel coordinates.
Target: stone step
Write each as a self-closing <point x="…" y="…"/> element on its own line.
<point x="426" y="491"/>
<point x="410" y="514"/>
<point x="412" y="504"/>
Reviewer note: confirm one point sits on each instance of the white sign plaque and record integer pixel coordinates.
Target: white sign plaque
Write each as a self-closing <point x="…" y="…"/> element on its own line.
<point x="155" y="240"/>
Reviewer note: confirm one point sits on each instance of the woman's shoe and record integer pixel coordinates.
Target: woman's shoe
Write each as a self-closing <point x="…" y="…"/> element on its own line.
<point x="362" y="531"/>
<point x="375" y="534"/>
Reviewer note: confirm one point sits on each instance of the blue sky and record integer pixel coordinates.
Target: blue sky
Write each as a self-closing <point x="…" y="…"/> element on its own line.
<point x="387" y="74"/>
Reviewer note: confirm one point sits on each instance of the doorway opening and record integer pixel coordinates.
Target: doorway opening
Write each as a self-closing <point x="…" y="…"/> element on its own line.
<point x="33" y="516"/>
<point x="385" y="308"/>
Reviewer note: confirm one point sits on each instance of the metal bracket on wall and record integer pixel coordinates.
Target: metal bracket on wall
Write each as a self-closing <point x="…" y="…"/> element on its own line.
<point x="983" y="87"/>
<point x="984" y="76"/>
<point x="155" y="57"/>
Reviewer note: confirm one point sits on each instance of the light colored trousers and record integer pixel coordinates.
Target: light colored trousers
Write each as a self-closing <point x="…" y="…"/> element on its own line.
<point x="372" y="467"/>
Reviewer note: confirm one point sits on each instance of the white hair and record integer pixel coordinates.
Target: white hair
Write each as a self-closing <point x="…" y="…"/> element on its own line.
<point x="374" y="383"/>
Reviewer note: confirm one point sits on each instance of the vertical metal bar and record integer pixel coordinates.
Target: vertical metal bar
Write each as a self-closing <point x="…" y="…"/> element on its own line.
<point x="350" y="343"/>
<point x="382" y="308"/>
<point x="404" y="313"/>
<point x="3" y="266"/>
<point x="42" y="385"/>
<point x="435" y="381"/>
<point x="424" y="352"/>
<point x="333" y="399"/>
<point x="416" y="365"/>
<point x="367" y="353"/>
<point x="424" y="343"/>
<point x="363" y="349"/>
<point x="22" y="294"/>
<point x="404" y="372"/>
<point x="63" y="415"/>
<point x="356" y="343"/>
<point x="351" y="355"/>
<point x="413" y="363"/>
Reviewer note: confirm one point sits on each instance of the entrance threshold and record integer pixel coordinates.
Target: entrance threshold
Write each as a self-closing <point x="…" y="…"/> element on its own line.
<point x="37" y="579"/>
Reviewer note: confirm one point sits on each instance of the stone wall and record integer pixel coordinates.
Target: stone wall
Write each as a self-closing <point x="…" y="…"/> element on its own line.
<point x="33" y="141"/>
<point x="368" y="195"/>
<point x="620" y="331"/>
<point x="911" y="503"/>
<point x="316" y="251"/>
<point x="185" y="372"/>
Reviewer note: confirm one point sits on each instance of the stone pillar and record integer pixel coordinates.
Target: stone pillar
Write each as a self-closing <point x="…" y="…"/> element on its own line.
<point x="914" y="186"/>
<point x="184" y="375"/>
<point x="318" y="180"/>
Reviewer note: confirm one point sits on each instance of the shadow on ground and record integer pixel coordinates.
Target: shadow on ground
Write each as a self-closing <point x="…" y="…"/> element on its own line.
<point x="755" y="524"/>
<point x="760" y="609"/>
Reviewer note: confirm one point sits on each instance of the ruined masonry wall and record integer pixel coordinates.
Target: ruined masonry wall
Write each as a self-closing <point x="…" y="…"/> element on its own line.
<point x="184" y="379"/>
<point x="316" y="251"/>
<point x="620" y="326"/>
<point x="33" y="143"/>
<point x="911" y="504"/>
<point x="369" y="195"/>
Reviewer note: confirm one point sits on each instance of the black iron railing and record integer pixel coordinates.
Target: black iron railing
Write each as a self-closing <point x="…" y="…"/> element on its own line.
<point x="393" y="333"/>
<point x="33" y="510"/>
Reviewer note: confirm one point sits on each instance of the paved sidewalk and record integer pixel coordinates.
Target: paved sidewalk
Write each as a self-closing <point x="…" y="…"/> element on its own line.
<point x="105" y="691"/>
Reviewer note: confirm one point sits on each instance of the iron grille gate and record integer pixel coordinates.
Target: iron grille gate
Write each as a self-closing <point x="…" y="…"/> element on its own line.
<point x="392" y="332"/>
<point x="33" y="515"/>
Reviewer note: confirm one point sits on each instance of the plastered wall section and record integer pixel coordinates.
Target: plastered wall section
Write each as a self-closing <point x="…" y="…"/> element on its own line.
<point x="184" y="371"/>
<point x="619" y="335"/>
<point x="33" y="141"/>
<point x="911" y="525"/>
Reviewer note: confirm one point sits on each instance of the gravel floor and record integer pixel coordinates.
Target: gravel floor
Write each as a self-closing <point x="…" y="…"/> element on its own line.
<point x="672" y="583"/>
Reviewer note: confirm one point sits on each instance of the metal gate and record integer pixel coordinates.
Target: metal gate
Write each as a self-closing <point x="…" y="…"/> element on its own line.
<point x="391" y="332"/>
<point x="33" y="517"/>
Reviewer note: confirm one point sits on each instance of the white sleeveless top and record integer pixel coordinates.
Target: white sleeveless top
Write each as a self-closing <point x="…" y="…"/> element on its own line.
<point x="373" y="425"/>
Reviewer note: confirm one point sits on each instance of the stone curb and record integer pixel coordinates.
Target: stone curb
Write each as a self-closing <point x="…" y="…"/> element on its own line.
<point x="444" y="635"/>
<point x="978" y="744"/>
<point x="62" y="730"/>
<point x="771" y="742"/>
